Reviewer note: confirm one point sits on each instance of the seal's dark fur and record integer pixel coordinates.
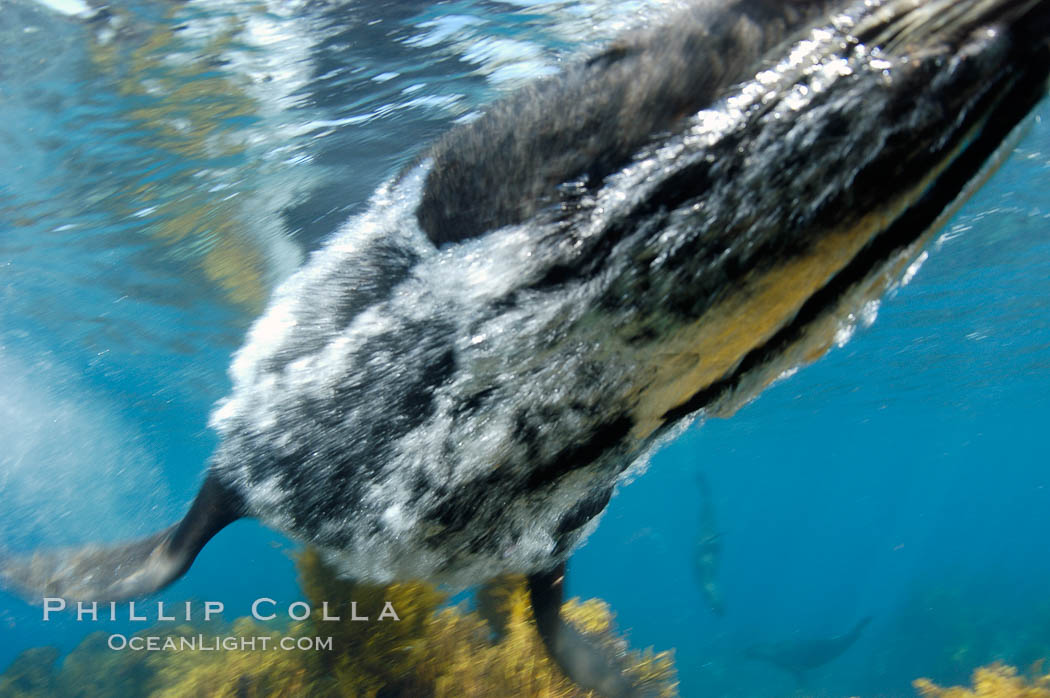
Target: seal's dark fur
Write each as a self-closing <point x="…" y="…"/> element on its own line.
<point x="558" y="138"/>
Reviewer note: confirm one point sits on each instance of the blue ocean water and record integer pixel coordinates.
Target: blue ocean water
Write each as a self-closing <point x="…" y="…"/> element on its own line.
<point x="165" y="171"/>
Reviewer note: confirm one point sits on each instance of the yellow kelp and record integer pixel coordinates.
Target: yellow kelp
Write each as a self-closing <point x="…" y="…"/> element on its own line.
<point x="993" y="681"/>
<point x="196" y="186"/>
<point x="433" y="650"/>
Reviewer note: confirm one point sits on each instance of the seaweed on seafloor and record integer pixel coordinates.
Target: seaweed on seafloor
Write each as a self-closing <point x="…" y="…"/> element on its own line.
<point x="465" y="662"/>
<point x="375" y="657"/>
<point x="435" y="651"/>
<point x="993" y="681"/>
<point x="235" y="673"/>
<point x="31" y="674"/>
<point x="946" y="627"/>
<point x="432" y="651"/>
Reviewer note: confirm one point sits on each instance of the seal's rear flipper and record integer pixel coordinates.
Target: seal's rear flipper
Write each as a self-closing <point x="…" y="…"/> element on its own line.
<point x="582" y="660"/>
<point x="117" y="572"/>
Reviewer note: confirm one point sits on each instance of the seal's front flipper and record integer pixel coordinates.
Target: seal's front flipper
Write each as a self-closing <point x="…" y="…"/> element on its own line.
<point x="117" y="572"/>
<point x="582" y="660"/>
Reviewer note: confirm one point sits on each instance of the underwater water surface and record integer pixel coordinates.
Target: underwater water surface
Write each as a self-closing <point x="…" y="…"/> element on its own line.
<point x="167" y="167"/>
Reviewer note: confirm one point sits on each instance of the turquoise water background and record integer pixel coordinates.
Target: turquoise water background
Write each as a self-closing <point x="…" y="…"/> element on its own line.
<point x="162" y="175"/>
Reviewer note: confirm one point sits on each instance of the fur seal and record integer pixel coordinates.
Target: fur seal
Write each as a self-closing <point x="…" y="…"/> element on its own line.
<point x="451" y="388"/>
<point x="799" y="657"/>
<point x="707" y="550"/>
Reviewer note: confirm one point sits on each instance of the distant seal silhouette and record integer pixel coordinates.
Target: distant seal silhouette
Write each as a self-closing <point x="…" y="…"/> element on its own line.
<point x="707" y="549"/>
<point x="799" y="657"/>
<point x="452" y="387"/>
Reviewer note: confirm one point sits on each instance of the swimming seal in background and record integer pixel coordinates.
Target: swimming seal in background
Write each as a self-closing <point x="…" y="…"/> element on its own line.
<point x="799" y="657"/>
<point x="451" y="388"/>
<point x="707" y="550"/>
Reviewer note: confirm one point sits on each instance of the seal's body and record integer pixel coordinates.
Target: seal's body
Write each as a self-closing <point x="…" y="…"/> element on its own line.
<point x="452" y="386"/>
<point x="799" y="657"/>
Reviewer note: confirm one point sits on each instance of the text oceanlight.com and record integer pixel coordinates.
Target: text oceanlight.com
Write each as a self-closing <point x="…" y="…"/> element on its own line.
<point x="215" y="643"/>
